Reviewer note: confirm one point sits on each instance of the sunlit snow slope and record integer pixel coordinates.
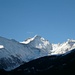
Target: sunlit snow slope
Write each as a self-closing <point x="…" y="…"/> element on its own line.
<point x="14" y="53"/>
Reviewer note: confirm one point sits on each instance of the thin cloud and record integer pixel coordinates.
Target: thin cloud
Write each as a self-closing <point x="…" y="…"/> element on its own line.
<point x="30" y="32"/>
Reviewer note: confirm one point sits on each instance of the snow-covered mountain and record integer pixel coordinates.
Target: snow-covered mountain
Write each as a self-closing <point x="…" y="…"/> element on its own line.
<point x="63" y="47"/>
<point x="14" y="53"/>
<point x="39" y="42"/>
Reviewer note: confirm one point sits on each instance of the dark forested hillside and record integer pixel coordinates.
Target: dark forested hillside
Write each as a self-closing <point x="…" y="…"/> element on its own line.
<point x="49" y="65"/>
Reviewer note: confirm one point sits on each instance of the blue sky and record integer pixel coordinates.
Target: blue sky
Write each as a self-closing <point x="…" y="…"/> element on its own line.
<point x="52" y="19"/>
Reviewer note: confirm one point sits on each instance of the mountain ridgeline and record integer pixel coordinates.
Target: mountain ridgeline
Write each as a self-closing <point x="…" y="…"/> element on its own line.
<point x="36" y="56"/>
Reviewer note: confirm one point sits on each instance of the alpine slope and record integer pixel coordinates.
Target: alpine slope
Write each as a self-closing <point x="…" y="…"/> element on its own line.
<point x="14" y="53"/>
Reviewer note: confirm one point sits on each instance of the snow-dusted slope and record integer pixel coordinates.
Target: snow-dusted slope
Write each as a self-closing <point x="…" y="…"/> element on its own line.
<point x="39" y="42"/>
<point x="64" y="47"/>
<point x="14" y="53"/>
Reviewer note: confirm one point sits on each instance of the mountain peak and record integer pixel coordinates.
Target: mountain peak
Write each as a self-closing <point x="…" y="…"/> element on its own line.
<point x="70" y="40"/>
<point x="37" y="36"/>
